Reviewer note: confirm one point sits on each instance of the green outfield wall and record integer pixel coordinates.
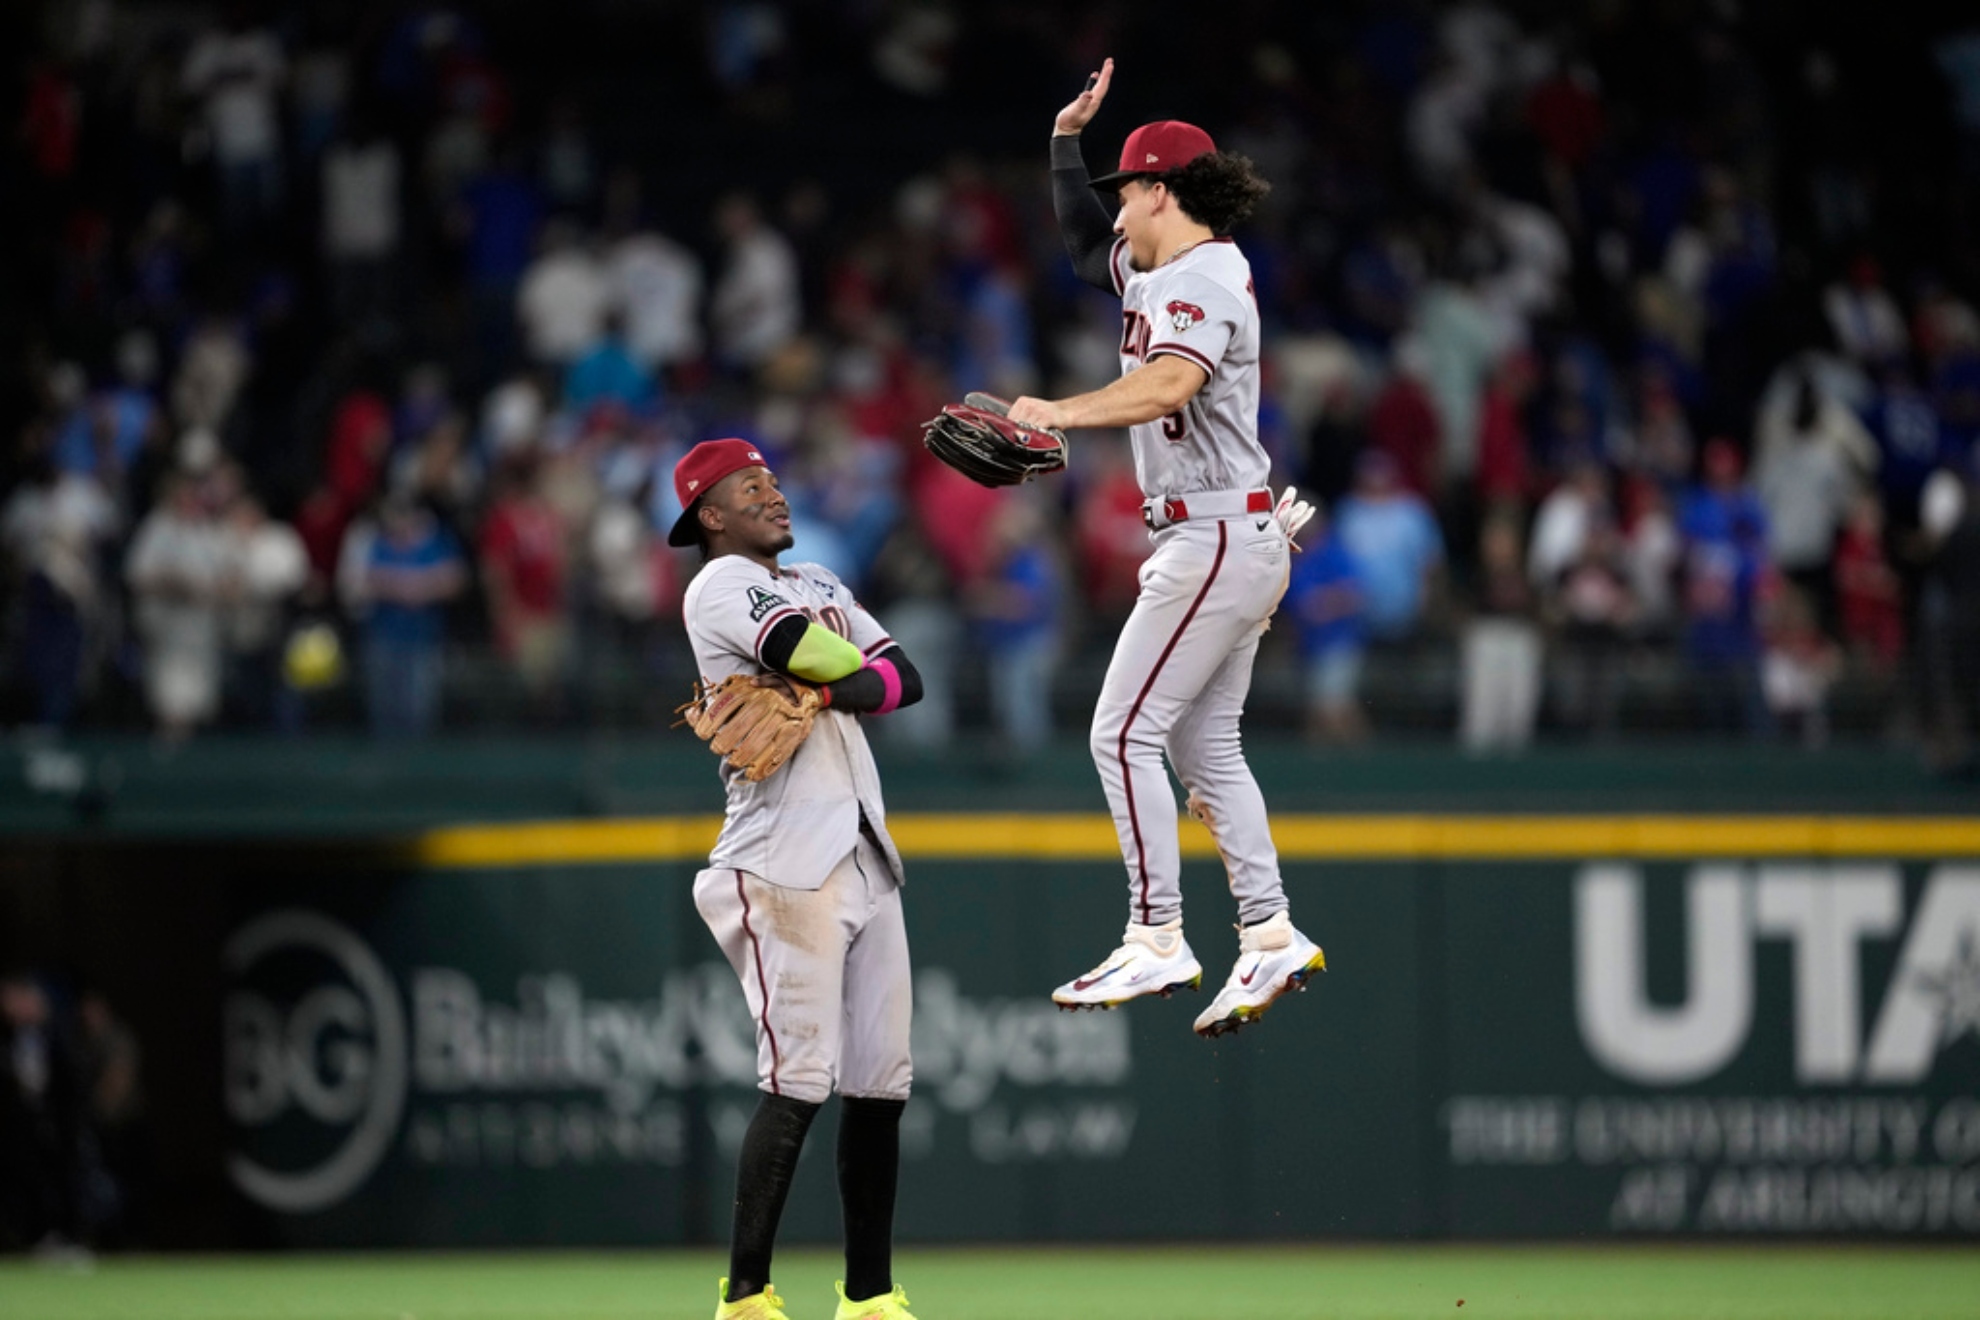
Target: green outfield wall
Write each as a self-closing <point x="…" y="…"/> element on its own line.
<point x="1536" y="1023"/>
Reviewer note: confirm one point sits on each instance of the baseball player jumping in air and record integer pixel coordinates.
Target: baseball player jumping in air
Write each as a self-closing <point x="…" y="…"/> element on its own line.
<point x="803" y="889"/>
<point x="1188" y="394"/>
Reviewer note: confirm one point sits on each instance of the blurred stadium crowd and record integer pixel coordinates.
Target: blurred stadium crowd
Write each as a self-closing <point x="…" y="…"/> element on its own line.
<point x="1630" y="347"/>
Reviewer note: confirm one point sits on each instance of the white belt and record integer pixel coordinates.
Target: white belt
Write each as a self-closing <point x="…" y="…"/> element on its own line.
<point x="1163" y="510"/>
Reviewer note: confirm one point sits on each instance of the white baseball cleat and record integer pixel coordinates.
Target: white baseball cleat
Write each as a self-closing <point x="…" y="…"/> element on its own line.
<point x="1152" y="960"/>
<point x="1272" y="959"/>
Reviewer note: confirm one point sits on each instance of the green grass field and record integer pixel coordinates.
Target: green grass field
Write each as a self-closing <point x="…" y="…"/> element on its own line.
<point x="1179" y="1283"/>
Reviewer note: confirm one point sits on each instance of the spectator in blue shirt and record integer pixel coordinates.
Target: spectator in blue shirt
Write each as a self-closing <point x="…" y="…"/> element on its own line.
<point x="607" y="372"/>
<point x="1956" y="391"/>
<point x="1725" y="568"/>
<point x="1325" y="601"/>
<point x="1904" y="421"/>
<point x="499" y="214"/>
<point x="1014" y="612"/>
<point x="1393" y="538"/>
<point x="104" y="435"/>
<point x="412" y="569"/>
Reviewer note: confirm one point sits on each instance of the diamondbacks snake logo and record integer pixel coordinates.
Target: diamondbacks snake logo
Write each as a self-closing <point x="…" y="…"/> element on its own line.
<point x="1183" y="315"/>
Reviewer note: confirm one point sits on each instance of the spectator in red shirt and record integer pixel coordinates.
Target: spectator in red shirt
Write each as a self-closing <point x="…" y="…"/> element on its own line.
<point x="1566" y="114"/>
<point x="1403" y="423"/>
<point x="1112" y="538"/>
<point x="360" y="439"/>
<point x="1505" y="473"/>
<point x="955" y="516"/>
<point x="51" y="123"/>
<point x="1868" y="594"/>
<point x="524" y="572"/>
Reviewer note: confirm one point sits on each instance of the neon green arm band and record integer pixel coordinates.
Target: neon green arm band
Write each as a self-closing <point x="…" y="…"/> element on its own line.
<point x="822" y="656"/>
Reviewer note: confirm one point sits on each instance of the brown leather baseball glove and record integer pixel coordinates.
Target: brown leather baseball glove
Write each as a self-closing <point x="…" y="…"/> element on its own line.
<point x="978" y="439"/>
<point x="755" y="725"/>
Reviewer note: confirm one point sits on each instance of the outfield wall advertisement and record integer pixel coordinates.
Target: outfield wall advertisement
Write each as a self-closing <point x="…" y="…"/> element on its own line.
<point x="564" y="1057"/>
<point x="405" y="1048"/>
<point x="1772" y="1048"/>
<point x="561" y="1055"/>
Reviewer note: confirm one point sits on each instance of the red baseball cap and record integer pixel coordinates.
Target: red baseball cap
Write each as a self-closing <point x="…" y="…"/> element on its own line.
<point x="1157" y="148"/>
<point x="699" y="469"/>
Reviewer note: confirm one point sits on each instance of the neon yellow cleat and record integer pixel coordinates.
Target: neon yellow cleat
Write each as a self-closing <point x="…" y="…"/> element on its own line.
<point x="766" y="1305"/>
<point x="891" y="1307"/>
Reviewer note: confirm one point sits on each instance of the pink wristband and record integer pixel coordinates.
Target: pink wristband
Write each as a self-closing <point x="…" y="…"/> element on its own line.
<point x="890" y="680"/>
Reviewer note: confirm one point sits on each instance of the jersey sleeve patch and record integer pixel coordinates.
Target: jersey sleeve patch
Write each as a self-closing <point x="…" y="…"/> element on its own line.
<point x="762" y="601"/>
<point x="1183" y="316"/>
<point x="1195" y="318"/>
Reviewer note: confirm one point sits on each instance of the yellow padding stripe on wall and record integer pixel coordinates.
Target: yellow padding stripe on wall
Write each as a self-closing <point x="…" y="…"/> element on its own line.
<point x="1067" y="838"/>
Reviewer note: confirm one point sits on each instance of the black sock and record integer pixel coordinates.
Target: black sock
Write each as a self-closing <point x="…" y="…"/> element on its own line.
<point x="763" y="1180"/>
<point x="869" y="1171"/>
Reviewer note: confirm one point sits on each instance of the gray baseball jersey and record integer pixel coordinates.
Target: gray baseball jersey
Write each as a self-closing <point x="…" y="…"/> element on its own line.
<point x="1177" y="682"/>
<point x="795" y="826"/>
<point x="802" y="890"/>
<point x="1199" y="306"/>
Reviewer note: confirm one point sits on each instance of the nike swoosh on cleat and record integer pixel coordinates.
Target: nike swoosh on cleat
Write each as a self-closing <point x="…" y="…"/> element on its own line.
<point x="1088" y="984"/>
<point x="1262" y="526"/>
<point x="1247" y="977"/>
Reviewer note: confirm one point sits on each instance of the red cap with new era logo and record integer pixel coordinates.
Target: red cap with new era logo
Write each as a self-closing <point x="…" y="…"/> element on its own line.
<point x="699" y="469"/>
<point x="1157" y="148"/>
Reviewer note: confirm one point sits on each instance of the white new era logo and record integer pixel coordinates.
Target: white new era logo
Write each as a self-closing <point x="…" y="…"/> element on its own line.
<point x="1152" y="158"/>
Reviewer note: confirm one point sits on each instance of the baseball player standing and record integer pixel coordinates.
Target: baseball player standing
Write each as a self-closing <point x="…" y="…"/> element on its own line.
<point x="1188" y="394"/>
<point x="803" y="889"/>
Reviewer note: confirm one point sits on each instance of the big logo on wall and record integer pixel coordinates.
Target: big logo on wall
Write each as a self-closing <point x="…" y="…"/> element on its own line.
<point x="326" y="1060"/>
<point x="1826" y="915"/>
<point x="337" y="1063"/>
<point x="1810" y="1069"/>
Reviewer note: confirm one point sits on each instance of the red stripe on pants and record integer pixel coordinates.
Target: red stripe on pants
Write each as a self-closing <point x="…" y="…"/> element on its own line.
<point x="762" y="986"/>
<point x="1127" y="775"/>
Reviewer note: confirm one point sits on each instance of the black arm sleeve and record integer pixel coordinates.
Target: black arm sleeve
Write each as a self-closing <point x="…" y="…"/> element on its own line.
<point x="863" y="691"/>
<point x="1084" y="224"/>
<point x="781" y="642"/>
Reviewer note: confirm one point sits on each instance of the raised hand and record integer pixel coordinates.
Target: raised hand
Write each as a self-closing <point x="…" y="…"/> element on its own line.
<point x="1079" y="113"/>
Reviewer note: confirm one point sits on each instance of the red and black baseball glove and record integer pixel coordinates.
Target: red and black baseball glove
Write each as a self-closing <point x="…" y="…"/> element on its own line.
<point x="978" y="439"/>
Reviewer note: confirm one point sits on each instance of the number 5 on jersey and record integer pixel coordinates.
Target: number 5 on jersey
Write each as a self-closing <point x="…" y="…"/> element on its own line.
<point x="1136" y="331"/>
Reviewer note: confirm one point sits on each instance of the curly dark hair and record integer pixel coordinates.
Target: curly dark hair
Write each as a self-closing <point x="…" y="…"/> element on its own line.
<point x="1218" y="189"/>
